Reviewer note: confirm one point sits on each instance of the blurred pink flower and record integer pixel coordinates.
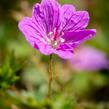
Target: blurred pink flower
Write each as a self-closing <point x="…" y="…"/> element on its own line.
<point x="56" y="29"/>
<point x="90" y="59"/>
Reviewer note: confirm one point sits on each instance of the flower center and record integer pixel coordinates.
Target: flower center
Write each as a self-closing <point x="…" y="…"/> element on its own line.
<point x="54" y="38"/>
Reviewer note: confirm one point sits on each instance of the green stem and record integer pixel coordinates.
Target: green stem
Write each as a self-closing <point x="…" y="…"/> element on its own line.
<point x="50" y="77"/>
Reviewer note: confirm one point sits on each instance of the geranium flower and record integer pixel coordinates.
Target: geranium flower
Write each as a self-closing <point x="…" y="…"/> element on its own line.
<point x="56" y="29"/>
<point x="89" y="59"/>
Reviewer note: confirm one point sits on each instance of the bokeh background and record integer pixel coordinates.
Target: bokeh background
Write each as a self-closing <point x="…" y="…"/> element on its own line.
<point x="80" y="83"/>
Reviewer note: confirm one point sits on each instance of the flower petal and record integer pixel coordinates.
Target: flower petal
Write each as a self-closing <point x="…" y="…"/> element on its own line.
<point x="74" y="20"/>
<point x="43" y="48"/>
<point x="64" y="54"/>
<point x="51" y="14"/>
<point x="33" y="36"/>
<point x="39" y="19"/>
<point x="30" y="30"/>
<point x="67" y="11"/>
<point x="89" y="58"/>
<point x="79" y="36"/>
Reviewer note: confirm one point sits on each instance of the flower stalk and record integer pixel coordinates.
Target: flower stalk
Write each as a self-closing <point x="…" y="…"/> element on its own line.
<point x="50" y="77"/>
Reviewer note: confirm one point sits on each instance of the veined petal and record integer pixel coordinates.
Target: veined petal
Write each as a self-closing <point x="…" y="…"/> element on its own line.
<point x="67" y="11"/>
<point x="65" y="54"/>
<point x="39" y="19"/>
<point x="34" y="36"/>
<point x="51" y="12"/>
<point x="79" y="36"/>
<point x="39" y="45"/>
<point x="43" y="48"/>
<point x="74" y="20"/>
<point x="65" y="51"/>
<point x="66" y="46"/>
<point x="81" y="19"/>
<point x="30" y="30"/>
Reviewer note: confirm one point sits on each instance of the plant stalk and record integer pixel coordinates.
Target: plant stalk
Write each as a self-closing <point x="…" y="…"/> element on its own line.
<point x="50" y="77"/>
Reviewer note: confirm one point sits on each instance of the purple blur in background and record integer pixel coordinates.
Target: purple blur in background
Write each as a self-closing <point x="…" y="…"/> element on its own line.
<point x="90" y="59"/>
<point x="56" y="29"/>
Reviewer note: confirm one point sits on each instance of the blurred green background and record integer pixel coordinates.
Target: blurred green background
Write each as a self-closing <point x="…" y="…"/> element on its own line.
<point x="24" y="71"/>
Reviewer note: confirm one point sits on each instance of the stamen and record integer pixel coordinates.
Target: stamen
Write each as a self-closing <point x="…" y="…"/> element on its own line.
<point x="50" y="33"/>
<point x="54" y="31"/>
<point x="55" y="44"/>
<point x="54" y="38"/>
<point x="62" y="34"/>
<point x="47" y="39"/>
<point x="62" y="40"/>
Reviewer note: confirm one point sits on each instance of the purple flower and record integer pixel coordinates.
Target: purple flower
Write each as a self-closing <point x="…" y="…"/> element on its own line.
<point x="56" y="29"/>
<point x="90" y="59"/>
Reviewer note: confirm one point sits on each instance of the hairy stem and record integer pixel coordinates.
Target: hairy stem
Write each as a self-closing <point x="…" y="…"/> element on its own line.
<point x="50" y="77"/>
